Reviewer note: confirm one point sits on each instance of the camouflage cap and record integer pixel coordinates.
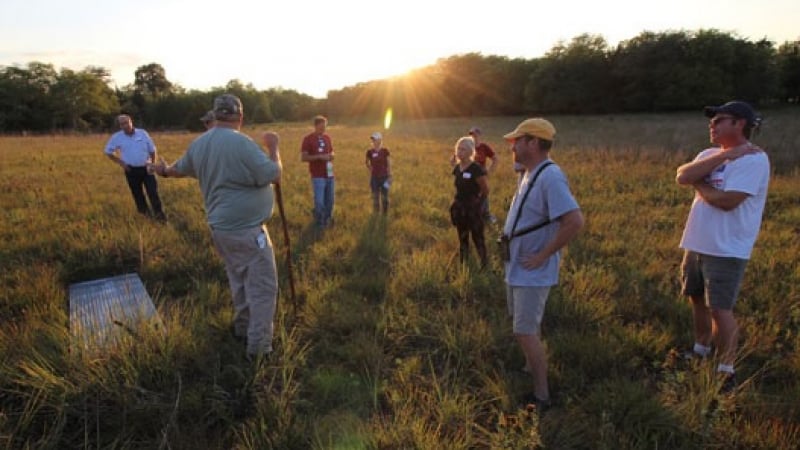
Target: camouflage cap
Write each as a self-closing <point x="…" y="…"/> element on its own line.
<point x="208" y="116"/>
<point x="227" y="105"/>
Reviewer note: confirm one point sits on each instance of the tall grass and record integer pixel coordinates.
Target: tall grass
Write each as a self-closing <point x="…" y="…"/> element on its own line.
<point x="392" y="343"/>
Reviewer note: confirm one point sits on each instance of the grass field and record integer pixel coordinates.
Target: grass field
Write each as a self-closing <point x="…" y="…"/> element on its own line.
<point x="391" y="343"/>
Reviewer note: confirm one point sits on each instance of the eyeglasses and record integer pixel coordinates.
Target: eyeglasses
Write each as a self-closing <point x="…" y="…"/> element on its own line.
<point x="527" y="138"/>
<point x="717" y="120"/>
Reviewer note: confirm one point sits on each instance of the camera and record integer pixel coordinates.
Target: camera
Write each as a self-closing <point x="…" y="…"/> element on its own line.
<point x="503" y="244"/>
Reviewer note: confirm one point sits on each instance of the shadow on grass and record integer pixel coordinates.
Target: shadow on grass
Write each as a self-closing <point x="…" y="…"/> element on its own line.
<point x="371" y="261"/>
<point x="288" y="256"/>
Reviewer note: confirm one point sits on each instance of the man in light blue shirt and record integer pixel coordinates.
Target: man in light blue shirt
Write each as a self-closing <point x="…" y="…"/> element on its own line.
<point x="236" y="179"/>
<point x="133" y="149"/>
<point x="542" y="219"/>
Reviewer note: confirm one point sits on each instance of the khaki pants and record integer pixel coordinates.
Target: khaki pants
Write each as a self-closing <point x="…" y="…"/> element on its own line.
<point x="250" y="265"/>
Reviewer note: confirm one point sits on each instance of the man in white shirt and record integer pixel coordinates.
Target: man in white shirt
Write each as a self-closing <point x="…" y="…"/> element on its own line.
<point x="730" y="182"/>
<point x="133" y="150"/>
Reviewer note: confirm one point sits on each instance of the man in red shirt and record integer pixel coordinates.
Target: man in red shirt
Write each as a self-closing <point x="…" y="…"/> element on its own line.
<point x="377" y="161"/>
<point x="317" y="151"/>
<point x="482" y="153"/>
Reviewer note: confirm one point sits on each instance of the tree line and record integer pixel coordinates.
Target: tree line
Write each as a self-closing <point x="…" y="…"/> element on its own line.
<point x="666" y="71"/>
<point x="654" y="71"/>
<point x="40" y="99"/>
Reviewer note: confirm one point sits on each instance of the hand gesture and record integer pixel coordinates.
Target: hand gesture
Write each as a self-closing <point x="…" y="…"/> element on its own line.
<point x="532" y="261"/>
<point x="271" y="141"/>
<point x="742" y="150"/>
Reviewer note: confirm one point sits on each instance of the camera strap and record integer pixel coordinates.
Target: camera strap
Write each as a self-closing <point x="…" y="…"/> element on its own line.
<point x="522" y="203"/>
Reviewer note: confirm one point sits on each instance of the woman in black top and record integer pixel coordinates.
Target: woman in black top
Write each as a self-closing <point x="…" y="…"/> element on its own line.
<point x="471" y="188"/>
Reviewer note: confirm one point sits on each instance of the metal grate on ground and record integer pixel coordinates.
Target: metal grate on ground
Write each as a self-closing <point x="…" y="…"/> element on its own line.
<point x="103" y="311"/>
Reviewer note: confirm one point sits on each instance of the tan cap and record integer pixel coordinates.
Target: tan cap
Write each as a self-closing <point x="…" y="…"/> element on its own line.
<point x="537" y="127"/>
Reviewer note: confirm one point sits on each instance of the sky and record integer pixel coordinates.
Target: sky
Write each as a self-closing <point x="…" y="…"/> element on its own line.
<point x="314" y="46"/>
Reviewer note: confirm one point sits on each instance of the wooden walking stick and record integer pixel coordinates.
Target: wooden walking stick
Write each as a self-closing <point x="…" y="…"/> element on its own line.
<point x="279" y="198"/>
<point x="271" y="140"/>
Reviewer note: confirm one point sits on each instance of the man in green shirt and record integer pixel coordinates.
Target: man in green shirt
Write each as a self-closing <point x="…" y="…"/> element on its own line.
<point x="236" y="179"/>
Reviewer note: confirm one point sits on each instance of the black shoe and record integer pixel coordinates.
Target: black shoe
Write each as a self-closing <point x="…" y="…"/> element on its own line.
<point x="257" y="358"/>
<point x="531" y="401"/>
<point x="238" y="337"/>
<point x="728" y="383"/>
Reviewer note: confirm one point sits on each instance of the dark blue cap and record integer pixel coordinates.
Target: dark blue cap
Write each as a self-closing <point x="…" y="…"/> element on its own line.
<point x="738" y="109"/>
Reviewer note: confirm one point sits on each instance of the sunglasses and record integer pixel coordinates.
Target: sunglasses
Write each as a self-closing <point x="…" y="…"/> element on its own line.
<point x="717" y="120"/>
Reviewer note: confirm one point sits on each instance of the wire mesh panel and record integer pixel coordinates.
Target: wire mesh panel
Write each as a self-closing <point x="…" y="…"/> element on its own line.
<point x="101" y="311"/>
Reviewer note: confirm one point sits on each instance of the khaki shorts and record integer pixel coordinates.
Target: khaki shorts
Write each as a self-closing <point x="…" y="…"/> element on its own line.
<point x="526" y="307"/>
<point x="716" y="278"/>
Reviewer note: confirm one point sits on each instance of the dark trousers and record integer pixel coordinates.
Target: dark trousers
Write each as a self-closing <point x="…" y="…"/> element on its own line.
<point x="476" y="230"/>
<point x="137" y="178"/>
<point x="468" y="218"/>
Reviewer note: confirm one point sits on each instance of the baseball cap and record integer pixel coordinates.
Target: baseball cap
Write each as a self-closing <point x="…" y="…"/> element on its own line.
<point x="376" y="136"/>
<point x="208" y="116"/>
<point x="537" y="127"/>
<point x="227" y="105"/>
<point x="475" y="130"/>
<point x="735" y="108"/>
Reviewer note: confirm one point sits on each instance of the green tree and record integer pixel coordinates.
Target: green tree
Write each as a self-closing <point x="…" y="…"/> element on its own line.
<point x="290" y="105"/>
<point x="573" y="78"/>
<point x="788" y="65"/>
<point x="256" y="103"/>
<point x="83" y="100"/>
<point x="150" y="86"/>
<point x="151" y="81"/>
<point x="25" y="102"/>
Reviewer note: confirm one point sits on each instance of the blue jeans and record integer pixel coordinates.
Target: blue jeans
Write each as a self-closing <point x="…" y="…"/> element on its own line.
<point x="379" y="193"/>
<point x="323" y="200"/>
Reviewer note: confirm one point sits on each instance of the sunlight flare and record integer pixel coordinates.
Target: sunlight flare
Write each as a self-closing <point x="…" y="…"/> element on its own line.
<point x="387" y="118"/>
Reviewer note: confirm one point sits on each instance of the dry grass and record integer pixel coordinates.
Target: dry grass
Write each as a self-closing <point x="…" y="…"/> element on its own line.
<point x="393" y="344"/>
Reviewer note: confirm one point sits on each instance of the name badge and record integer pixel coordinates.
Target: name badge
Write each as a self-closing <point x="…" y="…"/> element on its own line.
<point x="467" y="175"/>
<point x="374" y="154"/>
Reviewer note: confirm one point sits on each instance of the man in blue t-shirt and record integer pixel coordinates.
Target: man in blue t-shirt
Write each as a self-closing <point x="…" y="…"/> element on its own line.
<point x="542" y="219"/>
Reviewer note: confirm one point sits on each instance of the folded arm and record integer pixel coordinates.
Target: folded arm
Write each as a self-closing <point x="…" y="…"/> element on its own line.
<point x="724" y="200"/>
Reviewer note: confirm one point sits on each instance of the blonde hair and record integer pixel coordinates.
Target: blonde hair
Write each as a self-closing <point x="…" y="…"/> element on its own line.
<point x="467" y="142"/>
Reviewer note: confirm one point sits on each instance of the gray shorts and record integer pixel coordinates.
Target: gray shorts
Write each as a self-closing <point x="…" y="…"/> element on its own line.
<point x="526" y="307"/>
<point x="716" y="278"/>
